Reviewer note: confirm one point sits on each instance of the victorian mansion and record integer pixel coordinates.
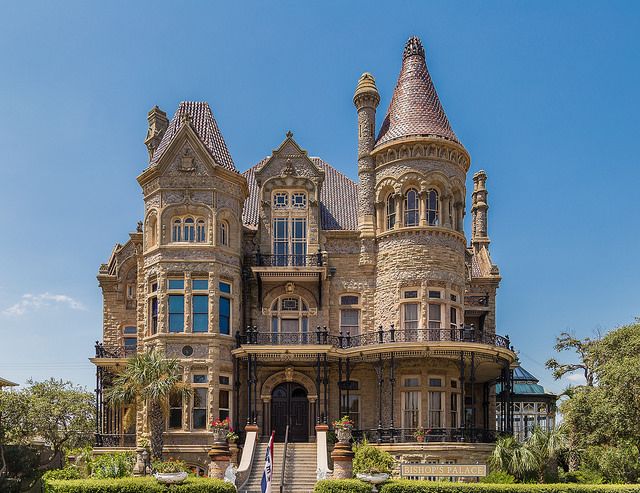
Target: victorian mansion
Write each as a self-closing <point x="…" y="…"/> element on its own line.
<point x="292" y="295"/>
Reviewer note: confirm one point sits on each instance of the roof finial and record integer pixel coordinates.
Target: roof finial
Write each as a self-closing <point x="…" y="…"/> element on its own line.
<point x="413" y="47"/>
<point x="289" y="134"/>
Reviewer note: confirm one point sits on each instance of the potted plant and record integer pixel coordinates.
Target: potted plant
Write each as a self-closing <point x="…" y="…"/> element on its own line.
<point x="371" y="464"/>
<point x="419" y="434"/>
<point x="220" y="429"/>
<point x="170" y="471"/>
<point x="232" y="436"/>
<point x="343" y="428"/>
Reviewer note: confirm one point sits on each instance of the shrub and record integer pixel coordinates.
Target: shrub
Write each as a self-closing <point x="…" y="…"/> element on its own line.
<point x="498" y="477"/>
<point x="113" y="465"/>
<point x="370" y="459"/>
<point x="342" y="486"/>
<point x="408" y="486"/>
<point x="137" y="485"/>
<point x="69" y="472"/>
<point x="583" y="476"/>
<point x="616" y="464"/>
<point x="170" y="466"/>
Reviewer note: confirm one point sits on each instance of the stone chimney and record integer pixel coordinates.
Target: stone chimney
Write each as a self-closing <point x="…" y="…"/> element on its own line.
<point x="158" y="123"/>
<point x="479" y="208"/>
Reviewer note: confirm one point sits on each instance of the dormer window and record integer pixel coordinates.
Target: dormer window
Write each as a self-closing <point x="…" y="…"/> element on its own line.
<point x="299" y="200"/>
<point x="280" y="200"/>
<point x="188" y="229"/>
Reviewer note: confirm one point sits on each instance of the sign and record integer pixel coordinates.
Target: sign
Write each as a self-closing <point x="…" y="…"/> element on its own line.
<point x="443" y="470"/>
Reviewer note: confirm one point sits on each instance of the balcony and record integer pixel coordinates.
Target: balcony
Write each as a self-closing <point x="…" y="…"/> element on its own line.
<point x="322" y="336"/>
<point x="433" y="435"/>
<point x="315" y="260"/>
<point x="115" y="440"/>
<point x="114" y="352"/>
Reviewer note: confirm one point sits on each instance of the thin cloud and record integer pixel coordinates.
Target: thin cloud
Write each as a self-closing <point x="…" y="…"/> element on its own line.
<point x="576" y="378"/>
<point x="33" y="302"/>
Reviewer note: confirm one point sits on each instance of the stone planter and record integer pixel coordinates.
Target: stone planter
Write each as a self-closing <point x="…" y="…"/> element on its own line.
<point x="343" y="435"/>
<point x="220" y="435"/>
<point x="374" y="479"/>
<point x="420" y="438"/>
<point x="170" y="477"/>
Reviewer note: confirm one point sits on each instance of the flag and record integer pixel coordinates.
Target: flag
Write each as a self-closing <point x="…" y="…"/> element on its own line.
<point x="267" y="475"/>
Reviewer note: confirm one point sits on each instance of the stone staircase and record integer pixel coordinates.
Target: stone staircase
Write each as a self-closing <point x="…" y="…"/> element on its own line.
<point x="300" y="471"/>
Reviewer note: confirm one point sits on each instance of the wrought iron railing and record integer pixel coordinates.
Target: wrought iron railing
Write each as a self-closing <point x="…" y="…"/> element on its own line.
<point x="115" y="439"/>
<point x="103" y="351"/>
<point x="434" y="435"/>
<point x="313" y="260"/>
<point x="463" y="334"/>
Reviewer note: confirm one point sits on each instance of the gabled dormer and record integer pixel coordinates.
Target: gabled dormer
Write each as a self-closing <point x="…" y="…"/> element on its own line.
<point x="289" y="184"/>
<point x="192" y="190"/>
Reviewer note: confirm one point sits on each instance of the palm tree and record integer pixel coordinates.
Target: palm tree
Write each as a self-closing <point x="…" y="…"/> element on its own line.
<point x="546" y="447"/>
<point x="148" y="377"/>
<point x="512" y="456"/>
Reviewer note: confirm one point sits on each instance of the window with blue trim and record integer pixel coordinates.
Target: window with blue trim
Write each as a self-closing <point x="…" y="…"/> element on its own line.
<point x="200" y="313"/>
<point x="224" y="306"/>
<point x="176" y="313"/>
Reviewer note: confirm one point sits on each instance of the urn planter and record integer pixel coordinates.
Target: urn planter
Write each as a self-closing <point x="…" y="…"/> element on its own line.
<point x="374" y="479"/>
<point x="343" y="435"/>
<point x="170" y="477"/>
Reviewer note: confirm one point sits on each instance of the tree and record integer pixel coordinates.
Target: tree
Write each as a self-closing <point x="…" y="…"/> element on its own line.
<point x="566" y="341"/>
<point x="511" y="456"/>
<point x="545" y="448"/>
<point x="148" y="377"/>
<point x="14" y="427"/>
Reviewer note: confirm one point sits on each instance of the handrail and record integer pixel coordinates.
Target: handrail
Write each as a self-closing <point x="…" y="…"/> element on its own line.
<point x="284" y="458"/>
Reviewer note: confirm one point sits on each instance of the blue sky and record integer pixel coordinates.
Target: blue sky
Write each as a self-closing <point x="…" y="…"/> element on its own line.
<point x="544" y="95"/>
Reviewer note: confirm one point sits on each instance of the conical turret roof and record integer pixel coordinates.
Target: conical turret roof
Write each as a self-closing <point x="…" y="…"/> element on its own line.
<point x="415" y="108"/>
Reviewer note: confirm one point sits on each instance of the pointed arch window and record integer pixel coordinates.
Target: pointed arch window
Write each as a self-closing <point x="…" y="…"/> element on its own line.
<point x="188" y="229"/>
<point x="200" y="231"/>
<point x="433" y="209"/>
<point x="223" y="233"/>
<point x="411" y="208"/>
<point x="176" y="234"/>
<point x="391" y="212"/>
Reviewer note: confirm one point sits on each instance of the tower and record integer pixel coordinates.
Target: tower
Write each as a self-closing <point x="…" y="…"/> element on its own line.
<point x="419" y="169"/>
<point x="366" y="99"/>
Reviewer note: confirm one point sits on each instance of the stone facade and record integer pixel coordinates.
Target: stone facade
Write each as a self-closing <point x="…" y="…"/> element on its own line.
<point x="292" y="295"/>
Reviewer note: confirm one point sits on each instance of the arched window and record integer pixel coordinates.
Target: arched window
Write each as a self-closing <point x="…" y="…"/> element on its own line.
<point x="411" y="213"/>
<point x="176" y="234"/>
<point x="200" y="231"/>
<point x="223" y="233"/>
<point x="189" y="229"/>
<point x="433" y="218"/>
<point x="391" y="211"/>
<point x="289" y="320"/>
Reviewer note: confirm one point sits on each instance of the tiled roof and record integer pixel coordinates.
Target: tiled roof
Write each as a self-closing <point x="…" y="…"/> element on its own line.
<point x="199" y="116"/>
<point x="415" y="108"/>
<point x="338" y="199"/>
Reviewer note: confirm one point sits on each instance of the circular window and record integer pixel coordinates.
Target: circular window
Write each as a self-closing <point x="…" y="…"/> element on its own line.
<point x="187" y="350"/>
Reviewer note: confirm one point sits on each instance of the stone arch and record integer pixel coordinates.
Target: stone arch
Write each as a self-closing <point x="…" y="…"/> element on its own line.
<point x="298" y="290"/>
<point x="179" y="210"/>
<point x="234" y="231"/>
<point x="438" y="181"/>
<point x="384" y="188"/>
<point x="151" y="229"/>
<point x="288" y="375"/>
<point x="410" y="180"/>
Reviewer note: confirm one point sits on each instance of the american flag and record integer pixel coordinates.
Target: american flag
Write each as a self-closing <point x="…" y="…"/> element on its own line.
<point x="267" y="475"/>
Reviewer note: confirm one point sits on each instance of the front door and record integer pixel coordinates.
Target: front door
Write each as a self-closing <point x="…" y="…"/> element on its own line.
<point x="289" y="406"/>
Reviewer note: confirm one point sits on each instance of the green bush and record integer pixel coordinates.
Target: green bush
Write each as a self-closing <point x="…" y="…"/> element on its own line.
<point x="342" y="486"/>
<point x="408" y="486"/>
<point x="370" y="459"/>
<point x="137" y="485"/>
<point x="113" y="465"/>
<point x="69" y="472"/>
<point x="498" y="477"/>
<point x="615" y="464"/>
<point x="170" y="466"/>
<point x="583" y="476"/>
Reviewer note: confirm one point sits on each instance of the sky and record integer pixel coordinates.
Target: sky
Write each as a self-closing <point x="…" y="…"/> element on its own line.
<point x="544" y="96"/>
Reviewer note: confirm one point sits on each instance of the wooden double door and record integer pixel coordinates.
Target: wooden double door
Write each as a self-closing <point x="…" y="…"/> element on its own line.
<point x="290" y="406"/>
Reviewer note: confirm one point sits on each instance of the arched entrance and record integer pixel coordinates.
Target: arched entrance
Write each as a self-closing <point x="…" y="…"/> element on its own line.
<point x="290" y="406"/>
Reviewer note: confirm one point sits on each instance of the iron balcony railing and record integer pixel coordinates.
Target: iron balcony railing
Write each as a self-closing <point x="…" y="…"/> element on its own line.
<point x="322" y="336"/>
<point x="296" y="260"/>
<point x="115" y="439"/>
<point x="434" y="435"/>
<point x="103" y="351"/>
